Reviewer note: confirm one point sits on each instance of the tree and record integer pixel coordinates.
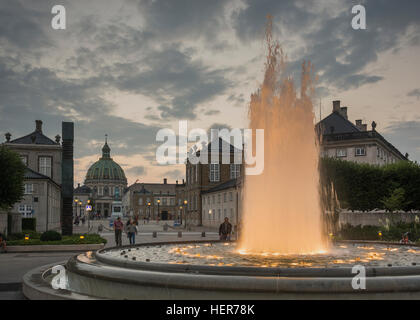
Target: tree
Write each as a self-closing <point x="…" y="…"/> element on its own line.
<point x="395" y="201"/>
<point x="12" y="172"/>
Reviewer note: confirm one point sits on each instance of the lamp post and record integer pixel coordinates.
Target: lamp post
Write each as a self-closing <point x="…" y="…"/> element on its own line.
<point x="180" y="215"/>
<point x="148" y="205"/>
<point x="185" y="213"/>
<point x="88" y="215"/>
<point x="158" y="215"/>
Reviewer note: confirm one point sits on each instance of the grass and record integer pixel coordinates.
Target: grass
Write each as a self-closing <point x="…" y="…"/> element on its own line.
<point x="74" y="239"/>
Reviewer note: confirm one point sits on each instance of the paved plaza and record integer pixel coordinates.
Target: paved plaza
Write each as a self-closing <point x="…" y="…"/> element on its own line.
<point x="14" y="265"/>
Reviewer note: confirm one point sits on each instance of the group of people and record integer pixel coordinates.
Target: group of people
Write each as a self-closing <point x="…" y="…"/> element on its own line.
<point x="130" y="228"/>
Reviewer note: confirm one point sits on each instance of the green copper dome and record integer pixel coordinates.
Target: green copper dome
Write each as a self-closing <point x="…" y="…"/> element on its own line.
<point x="105" y="168"/>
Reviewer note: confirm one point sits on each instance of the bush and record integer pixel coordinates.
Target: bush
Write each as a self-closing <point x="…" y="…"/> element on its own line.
<point x="66" y="240"/>
<point x="50" y="235"/>
<point x="29" y="224"/>
<point x="366" y="187"/>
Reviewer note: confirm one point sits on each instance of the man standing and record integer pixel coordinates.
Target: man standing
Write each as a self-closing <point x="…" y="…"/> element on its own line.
<point x="118" y="228"/>
<point x="225" y="230"/>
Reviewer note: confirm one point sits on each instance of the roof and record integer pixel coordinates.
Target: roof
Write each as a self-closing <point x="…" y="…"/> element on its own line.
<point x="32" y="175"/>
<point x="223" y="186"/>
<point x="82" y="189"/>
<point x="338" y="123"/>
<point x="35" y="137"/>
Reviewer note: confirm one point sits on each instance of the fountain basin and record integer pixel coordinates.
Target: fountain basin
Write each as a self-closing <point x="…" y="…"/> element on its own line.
<point x="106" y="276"/>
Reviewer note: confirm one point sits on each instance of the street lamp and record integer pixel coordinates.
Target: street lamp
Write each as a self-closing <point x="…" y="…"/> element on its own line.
<point x="148" y="205"/>
<point x="180" y="216"/>
<point x="158" y="215"/>
<point x="185" y="213"/>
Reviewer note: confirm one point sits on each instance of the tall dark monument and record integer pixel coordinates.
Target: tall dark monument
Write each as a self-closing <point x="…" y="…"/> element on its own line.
<point x="67" y="178"/>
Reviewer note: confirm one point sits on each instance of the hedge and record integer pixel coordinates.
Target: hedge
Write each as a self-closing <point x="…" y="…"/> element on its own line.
<point x="366" y="187"/>
<point x="74" y="239"/>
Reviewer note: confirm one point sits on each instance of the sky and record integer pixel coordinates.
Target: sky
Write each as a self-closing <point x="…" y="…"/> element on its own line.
<point x="128" y="68"/>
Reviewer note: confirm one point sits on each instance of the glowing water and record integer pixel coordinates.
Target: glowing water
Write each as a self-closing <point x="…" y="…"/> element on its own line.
<point x="282" y="211"/>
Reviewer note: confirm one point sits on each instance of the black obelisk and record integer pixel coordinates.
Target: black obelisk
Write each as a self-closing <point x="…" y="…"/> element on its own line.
<point x="67" y="178"/>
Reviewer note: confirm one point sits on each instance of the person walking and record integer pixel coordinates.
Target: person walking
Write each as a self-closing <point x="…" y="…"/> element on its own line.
<point x="118" y="229"/>
<point x="131" y="232"/>
<point x="225" y="230"/>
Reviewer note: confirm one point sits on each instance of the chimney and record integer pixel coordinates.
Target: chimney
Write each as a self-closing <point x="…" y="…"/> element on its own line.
<point x="360" y="125"/>
<point x="57" y="139"/>
<point x="8" y="136"/>
<point x="176" y="181"/>
<point x="336" y="106"/>
<point x="344" y="112"/>
<point x="38" y="126"/>
<point x="183" y="181"/>
<point x="165" y="181"/>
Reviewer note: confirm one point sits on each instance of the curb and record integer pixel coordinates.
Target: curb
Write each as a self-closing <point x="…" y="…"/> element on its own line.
<point x="55" y="248"/>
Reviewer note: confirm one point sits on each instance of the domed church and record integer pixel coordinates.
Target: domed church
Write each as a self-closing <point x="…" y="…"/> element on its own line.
<point x="107" y="181"/>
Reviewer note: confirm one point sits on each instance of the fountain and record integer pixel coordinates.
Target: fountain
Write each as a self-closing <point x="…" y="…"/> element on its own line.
<point x="282" y="253"/>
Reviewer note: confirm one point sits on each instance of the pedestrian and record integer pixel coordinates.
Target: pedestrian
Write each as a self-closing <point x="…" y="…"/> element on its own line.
<point x="225" y="230"/>
<point x="131" y="232"/>
<point x="3" y="246"/>
<point x="118" y="228"/>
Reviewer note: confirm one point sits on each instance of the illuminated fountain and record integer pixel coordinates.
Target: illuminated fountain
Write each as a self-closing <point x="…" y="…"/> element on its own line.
<point x="282" y="211"/>
<point x="282" y="253"/>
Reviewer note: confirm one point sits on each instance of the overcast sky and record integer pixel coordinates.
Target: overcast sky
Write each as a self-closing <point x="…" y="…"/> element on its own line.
<point x="127" y="68"/>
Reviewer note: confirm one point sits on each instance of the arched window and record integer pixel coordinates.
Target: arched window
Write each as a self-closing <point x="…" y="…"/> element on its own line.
<point x="96" y="173"/>
<point x="106" y="190"/>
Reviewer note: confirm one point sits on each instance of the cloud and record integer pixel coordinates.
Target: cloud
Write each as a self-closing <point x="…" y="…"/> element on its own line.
<point x="406" y="136"/>
<point x="136" y="170"/>
<point x="414" y="93"/>
<point x="322" y="33"/>
<point x="174" y="174"/>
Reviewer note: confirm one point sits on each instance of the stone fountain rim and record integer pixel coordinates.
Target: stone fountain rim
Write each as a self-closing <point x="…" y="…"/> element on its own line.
<point x="306" y="272"/>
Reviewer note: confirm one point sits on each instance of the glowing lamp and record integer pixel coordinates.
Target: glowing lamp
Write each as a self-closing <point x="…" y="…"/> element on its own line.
<point x="26" y="237"/>
<point x="82" y="237"/>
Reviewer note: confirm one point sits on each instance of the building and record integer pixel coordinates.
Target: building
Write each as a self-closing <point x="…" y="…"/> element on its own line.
<point x="107" y="181"/>
<point x="203" y="177"/>
<point x="222" y="201"/>
<point x="354" y="142"/>
<point x="82" y="196"/>
<point x="156" y="201"/>
<point x="42" y="179"/>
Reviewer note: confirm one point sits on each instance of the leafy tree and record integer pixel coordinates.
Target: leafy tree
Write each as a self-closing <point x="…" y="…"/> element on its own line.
<point x="12" y="172"/>
<point x="395" y="201"/>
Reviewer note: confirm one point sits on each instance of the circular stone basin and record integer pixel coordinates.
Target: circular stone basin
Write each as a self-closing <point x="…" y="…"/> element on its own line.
<point x="217" y="270"/>
<point x="227" y="254"/>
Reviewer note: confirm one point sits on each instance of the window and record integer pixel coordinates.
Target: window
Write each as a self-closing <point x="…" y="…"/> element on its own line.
<point x="214" y="199"/>
<point x="29" y="188"/>
<point x="219" y="213"/>
<point x="235" y="171"/>
<point x="106" y="173"/>
<point x="24" y="160"/>
<point x="141" y="201"/>
<point x="341" y="153"/>
<point x="360" y="151"/>
<point x="224" y="213"/>
<point x="106" y="191"/>
<point x="26" y="210"/>
<point x="214" y="172"/>
<point x="45" y="166"/>
<point x="230" y="196"/>
<point x="172" y="201"/>
<point x="219" y="198"/>
<point x="164" y="201"/>
<point x="225" y="197"/>
<point x="231" y="213"/>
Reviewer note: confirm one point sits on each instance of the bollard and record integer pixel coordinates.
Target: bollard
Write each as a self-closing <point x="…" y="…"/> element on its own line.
<point x="154" y="234"/>
<point x="203" y="234"/>
<point x="179" y="234"/>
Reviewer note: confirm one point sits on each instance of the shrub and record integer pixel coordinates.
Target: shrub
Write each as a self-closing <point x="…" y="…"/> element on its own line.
<point x="50" y="235"/>
<point x="29" y="224"/>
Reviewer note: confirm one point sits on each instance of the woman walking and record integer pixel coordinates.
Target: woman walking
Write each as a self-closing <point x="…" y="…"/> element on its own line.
<point x="131" y="232"/>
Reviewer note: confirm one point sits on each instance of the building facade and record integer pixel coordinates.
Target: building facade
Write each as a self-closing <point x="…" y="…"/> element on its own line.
<point x="82" y="196"/>
<point x="107" y="181"/>
<point x="155" y="201"/>
<point x="342" y="139"/>
<point x="223" y="200"/>
<point x="203" y="177"/>
<point x="42" y="179"/>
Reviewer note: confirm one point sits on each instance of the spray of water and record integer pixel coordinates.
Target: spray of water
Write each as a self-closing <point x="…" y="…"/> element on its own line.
<point x="282" y="211"/>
